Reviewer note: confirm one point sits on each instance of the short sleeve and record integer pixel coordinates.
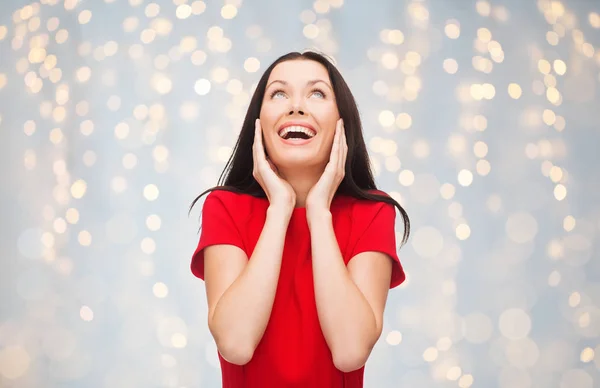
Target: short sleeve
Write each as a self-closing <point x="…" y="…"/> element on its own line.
<point x="218" y="227"/>
<point x="380" y="236"/>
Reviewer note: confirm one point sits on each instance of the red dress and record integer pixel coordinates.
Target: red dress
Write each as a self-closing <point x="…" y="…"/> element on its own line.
<point x="293" y="351"/>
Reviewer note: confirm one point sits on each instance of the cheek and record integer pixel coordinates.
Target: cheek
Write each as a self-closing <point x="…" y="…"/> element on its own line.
<point x="327" y="115"/>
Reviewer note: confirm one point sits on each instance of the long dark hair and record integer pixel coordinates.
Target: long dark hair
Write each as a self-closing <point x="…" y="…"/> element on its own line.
<point x="358" y="180"/>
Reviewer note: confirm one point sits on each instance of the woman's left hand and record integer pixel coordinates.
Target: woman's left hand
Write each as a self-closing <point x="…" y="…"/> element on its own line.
<point x="321" y="194"/>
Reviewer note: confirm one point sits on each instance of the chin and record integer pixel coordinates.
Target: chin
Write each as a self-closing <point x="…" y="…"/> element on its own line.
<point x="297" y="158"/>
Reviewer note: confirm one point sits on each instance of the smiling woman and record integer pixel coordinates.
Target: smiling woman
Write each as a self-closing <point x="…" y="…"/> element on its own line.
<point x="299" y="96"/>
<point x="298" y="247"/>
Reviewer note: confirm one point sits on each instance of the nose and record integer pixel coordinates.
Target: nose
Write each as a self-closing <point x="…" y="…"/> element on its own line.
<point x="299" y="111"/>
<point x="296" y="107"/>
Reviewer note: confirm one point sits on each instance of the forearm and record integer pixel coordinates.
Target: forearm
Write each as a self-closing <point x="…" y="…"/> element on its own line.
<point x="347" y="320"/>
<point x="242" y="313"/>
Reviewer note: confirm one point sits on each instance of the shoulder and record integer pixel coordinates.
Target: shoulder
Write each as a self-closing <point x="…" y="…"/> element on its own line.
<point x="366" y="207"/>
<point x="236" y="204"/>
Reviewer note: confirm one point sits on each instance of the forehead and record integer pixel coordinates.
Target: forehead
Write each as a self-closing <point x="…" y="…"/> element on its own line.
<point x="299" y="72"/>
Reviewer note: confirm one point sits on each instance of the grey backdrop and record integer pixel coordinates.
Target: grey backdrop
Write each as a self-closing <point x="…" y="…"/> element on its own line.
<point x="481" y="118"/>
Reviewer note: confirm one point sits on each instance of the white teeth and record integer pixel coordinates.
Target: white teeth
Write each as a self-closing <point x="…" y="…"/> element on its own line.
<point x="296" y="128"/>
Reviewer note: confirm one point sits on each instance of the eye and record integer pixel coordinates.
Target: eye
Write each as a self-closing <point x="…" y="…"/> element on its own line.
<point x="319" y="92"/>
<point x="276" y="92"/>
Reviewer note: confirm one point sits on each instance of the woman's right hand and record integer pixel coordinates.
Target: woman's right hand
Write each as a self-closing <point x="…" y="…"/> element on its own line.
<point x="278" y="190"/>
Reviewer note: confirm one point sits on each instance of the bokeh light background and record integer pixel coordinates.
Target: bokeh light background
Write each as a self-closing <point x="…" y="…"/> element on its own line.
<point x="481" y="117"/>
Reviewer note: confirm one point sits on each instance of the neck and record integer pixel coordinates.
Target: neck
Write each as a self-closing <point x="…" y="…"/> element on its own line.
<point x="301" y="181"/>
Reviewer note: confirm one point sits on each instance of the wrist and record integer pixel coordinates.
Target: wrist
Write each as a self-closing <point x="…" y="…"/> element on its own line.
<point x="283" y="212"/>
<point x="316" y="217"/>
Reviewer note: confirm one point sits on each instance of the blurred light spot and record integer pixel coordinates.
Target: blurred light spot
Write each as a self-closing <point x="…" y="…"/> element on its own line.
<point x="86" y="313"/>
<point x="554" y="279"/>
<point x="179" y="341"/>
<point x="78" y="189"/>
<point x="161" y="83"/>
<point x="465" y="177"/>
<point x="118" y="184"/>
<point x="14" y="362"/>
<point x="447" y="191"/>
<point x="560" y="192"/>
<point x="85" y="238"/>
<point x="514" y="324"/>
<point x="153" y="222"/>
<point x="544" y="66"/>
<point x="483" y="7"/>
<point x="160" y="153"/>
<point x="555" y="174"/>
<point x="421" y="149"/>
<point x="450" y="66"/>
<point x="403" y="120"/>
<point x="72" y="216"/>
<point x="122" y="131"/>
<point x="455" y="210"/>
<point x="430" y="354"/>
<point x="228" y="11"/>
<point x="560" y="67"/>
<point x="394" y="338"/>
<point x="480" y="122"/>
<point x="463" y="231"/>
<point x="576" y="378"/>
<point x="148" y="246"/>
<point x="427" y="242"/>
<point x="574" y="299"/>
<point x="386" y="118"/>
<point x="30" y="159"/>
<point x="465" y="381"/>
<point x="168" y="361"/>
<point x="594" y="19"/>
<point x="160" y="290"/>
<point x="86" y="127"/>
<point x="452" y="29"/>
<point x="129" y="161"/>
<point x="453" y="373"/>
<point x="252" y="65"/>
<point x="444" y="344"/>
<point x="202" y="86"/>
<point x="392" y="163"/>
<point x="556" y="249"/>
<point x="395" y="37"/>
<point x="480" y="149"/>
<point x="514" y="91"/>
<point x="521" y="227"/>
<point x="569" y="223"/>
<point x="59" y="225"/>
<point x="310" y="31"/>
<point x="587" y="355"/>
<point x="522" y="353"/>
<point x="234" y="86"/>
<point x="406" y="177"/>
<point x="483" y="167"/>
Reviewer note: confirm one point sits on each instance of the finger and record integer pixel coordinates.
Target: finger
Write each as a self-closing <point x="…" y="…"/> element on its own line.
<point x="340" y="156"/>
<point x="254" y="144"/>
<point x="343" y="147"/>
<point x="260" y="151"/>
<point x="333" y="157"/>
<point x="345" y="151"/>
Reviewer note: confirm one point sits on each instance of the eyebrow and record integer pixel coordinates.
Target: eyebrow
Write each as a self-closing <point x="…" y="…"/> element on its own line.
<point x="309" y="83"/>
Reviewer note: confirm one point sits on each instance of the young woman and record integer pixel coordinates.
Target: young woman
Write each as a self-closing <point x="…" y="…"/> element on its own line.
<point x="298" y="247"/>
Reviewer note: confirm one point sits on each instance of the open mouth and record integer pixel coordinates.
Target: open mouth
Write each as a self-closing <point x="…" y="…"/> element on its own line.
<point x="296" y="132"/>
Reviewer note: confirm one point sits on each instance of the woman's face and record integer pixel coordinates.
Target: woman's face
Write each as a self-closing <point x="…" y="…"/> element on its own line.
<point x="299" y="115"/>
